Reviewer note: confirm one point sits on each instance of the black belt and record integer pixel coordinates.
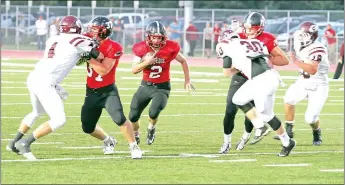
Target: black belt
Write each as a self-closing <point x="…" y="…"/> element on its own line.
<point x="164" y="85"/>
<point x="101" y="89"/>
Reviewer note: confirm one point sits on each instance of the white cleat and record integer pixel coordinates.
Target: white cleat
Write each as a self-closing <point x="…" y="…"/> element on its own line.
<point x="109" y="146"/>
<point x="242" y="143"/>
<point x="136" y="152"/>
<point x="225" y="148"/>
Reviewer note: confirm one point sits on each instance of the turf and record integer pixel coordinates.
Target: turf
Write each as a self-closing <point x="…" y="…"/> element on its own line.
<point x="190" y="124"/>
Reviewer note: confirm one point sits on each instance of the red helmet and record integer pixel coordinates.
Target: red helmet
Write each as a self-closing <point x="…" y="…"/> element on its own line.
<point x="307" y="33"/>
<point x="254" y="24"/>
<point x="70" y="24"/>
<point x="227" y="35"/>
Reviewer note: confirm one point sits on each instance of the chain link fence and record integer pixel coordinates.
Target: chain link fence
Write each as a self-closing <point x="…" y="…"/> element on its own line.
<point x="18" y="28"/>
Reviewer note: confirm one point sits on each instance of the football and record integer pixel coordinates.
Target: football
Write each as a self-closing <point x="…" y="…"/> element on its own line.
<point x="145" y="57"/>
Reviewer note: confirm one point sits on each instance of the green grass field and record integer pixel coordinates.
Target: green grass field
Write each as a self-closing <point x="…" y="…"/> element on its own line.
<point x="189" y="134"/>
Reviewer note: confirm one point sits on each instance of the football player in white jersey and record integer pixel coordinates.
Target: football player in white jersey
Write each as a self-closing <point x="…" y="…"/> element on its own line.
<point x="249" y="56"/>
<point x="236" y="26"/>
<point x="60" y="56"/>
<point x="312" y="59"/>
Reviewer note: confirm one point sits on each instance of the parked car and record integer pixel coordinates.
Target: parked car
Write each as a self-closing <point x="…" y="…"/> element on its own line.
<point x="129" y="19"/>
<point x="280" y="25"/>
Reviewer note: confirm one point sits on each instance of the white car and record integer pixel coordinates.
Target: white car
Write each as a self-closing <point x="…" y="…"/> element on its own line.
<point x="282" y="39"/>
<point x="129" y="19"/>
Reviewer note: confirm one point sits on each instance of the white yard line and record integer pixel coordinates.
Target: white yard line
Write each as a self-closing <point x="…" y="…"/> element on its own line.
<point x="182" y="115"/>
<point x="189" y="94"/>
<point x="164" y="156"/>
<point x="128" y="103"/>
<point x="233" y="161"/>
<point x="183" y="131"/>
<point x="332" y="170"/>
<point x="286" y="165"/>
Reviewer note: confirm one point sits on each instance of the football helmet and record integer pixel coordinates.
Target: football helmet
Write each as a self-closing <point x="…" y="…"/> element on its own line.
<point x="228" y="35"/>
<point x="155" y="35"/>
<point x="70" y="24"/>
<point x="306" y="34"/>
<point x="100" y="28"/>
<point x="254" y="24"/>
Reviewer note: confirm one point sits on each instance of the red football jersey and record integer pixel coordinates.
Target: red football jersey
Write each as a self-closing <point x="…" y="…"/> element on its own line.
<point x="110" y="49"/>
<point x="267" y="38"/>
<point x="160" y="71"/>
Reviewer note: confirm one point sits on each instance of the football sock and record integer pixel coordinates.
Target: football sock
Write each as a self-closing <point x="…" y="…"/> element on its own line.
<point x="18" y="136"/>
<point x="151" y="126"/>
<point x="227" y="138"/>
<point x="131" y="145"/>
<point x="106" y="139"/>
<point x="285" y="139"/>
<point x="31" y="139"/>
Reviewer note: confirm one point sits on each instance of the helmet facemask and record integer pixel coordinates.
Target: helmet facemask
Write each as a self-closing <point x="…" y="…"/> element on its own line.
<point x="156" y="41"/>
<point x="252" y="31"/>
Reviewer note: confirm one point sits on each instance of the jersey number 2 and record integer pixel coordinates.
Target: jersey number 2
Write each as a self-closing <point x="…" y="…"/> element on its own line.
<point x="156" y="70"/>
<point x="89" y="74"/>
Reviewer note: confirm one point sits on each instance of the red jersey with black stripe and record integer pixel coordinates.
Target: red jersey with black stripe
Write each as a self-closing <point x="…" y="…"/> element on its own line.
<point x="110" y="49"/>
<point x="160" y="71"/>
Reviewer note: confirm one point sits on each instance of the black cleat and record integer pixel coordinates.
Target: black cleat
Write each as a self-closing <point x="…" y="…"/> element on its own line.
<point x="151" y="136"/>
<point x="317" y="139"/>
<point x="12" y="148"/>
<point x="286" y="150"/>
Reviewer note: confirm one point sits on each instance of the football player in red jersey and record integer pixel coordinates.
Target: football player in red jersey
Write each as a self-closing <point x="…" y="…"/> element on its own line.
<point x="155" y="84"/>
<point x="253" y="27"/>
<point x="101" y="90"/>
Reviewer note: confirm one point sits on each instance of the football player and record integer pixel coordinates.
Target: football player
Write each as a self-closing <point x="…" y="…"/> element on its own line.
<point x="102" y="92"/>
<point x="253" y="27"/>
<point x="249" y="57"/>
<point x="61" y="54"/>
<point x="154" y="56"/>
<point x="313" y="85"/>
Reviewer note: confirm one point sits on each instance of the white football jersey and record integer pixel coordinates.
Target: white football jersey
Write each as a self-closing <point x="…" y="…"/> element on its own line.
<point x="61" y="54"/>
<point x="241" y="51"/>
<point x="317" y="52"/>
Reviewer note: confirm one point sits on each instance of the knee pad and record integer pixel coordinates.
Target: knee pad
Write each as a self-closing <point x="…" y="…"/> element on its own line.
<point x="310" y="118"/>
<point x="289" y="97"/>
<point x="30" y="119"/>
<point x="154" y="113"/>
<point x="88" y="128"/>
<point x="56" y="123"/>
<point x="134" y="115"/>
<point x="246" y="107"/>
<point x="119" y="118"/>
<point x="275" y="123"/>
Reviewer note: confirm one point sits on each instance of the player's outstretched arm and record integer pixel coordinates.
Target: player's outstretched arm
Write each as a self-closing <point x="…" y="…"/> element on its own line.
<point x="278" y="57"/>
<point x="104" y="67"/>
<point x="309" y="66"/>
<point x="141" y="63"/>
<point x="183" y="61"/>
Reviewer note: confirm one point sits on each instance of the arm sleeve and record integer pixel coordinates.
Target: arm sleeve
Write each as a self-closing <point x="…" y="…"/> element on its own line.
<point x="271" y="45"/>
<point x="116" y="52"/>
<point x="227" y="62"/>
